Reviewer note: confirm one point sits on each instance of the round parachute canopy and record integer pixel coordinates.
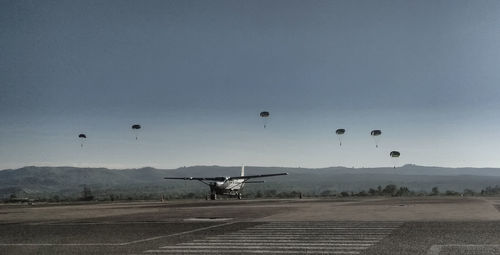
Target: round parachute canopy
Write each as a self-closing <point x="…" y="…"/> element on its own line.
<point x="82" y="136"/>
<point x="395" y="154"/>
<point x="340" y="131"/>
<point x="136" y="126"/>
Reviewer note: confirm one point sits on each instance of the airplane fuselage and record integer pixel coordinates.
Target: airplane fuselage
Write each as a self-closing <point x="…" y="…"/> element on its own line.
<point x="227" y="187"/>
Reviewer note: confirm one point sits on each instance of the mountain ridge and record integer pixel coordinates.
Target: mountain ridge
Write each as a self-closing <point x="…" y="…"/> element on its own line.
<point x="70" y="180"/>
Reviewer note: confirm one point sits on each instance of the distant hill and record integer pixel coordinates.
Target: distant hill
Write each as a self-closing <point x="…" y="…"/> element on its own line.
<point x="69" y="181"/>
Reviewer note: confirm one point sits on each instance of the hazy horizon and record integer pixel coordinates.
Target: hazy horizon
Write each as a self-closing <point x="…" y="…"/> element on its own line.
<point x="252" y="166"/>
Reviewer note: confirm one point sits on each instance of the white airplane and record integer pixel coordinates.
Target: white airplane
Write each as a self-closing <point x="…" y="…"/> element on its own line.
<point x="226" y="185"/>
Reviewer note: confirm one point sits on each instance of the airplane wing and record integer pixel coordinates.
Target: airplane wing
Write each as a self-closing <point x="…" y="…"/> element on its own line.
<point x="193" y="178"/>
<point x="254" y="181"/>
<point x="223" y="178"/>
<point x="256" y="176"/>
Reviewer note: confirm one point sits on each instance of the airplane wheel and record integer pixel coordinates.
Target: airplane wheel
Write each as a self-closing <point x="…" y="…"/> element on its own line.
<point x="239" y="196"/>
<point x="213" y="196"/>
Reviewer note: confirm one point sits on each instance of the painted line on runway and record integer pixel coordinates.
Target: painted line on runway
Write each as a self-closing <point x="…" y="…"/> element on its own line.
<point x="319" y="228"/>
<point x="281" y="244"/>
<point x="252" y="252"/>
<point x="181" y="233"/>
<point x="318" y="233"/>
<point x="301" y="236"/>
<point x="295" y="238"/>
<point x="243" y="248"/>
<point x="118" y="244"/>
<point x="98" y="223"/>
<point x="437" y="248"/>
<point x="329" y="241"/>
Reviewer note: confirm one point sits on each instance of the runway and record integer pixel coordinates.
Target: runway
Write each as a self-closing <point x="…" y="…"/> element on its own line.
<point x="290" y="238"/>
<point x="248" y="227"/>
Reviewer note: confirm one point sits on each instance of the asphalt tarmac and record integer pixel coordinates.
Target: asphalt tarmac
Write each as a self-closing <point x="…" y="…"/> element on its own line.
<point x="427" y="225"/>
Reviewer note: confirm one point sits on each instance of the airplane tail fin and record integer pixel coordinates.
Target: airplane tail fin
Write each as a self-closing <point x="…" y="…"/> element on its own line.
<point x="242" y="170"/>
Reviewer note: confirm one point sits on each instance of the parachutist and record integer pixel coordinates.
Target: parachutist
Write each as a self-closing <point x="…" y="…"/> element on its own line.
<point x="264" y="116"/>
<point x="82" y="137"/>
<point x="339" y="133"/>
<point x="395" y="155"/>
<point x="136" y="128"/>
<point x="375" y="134"/>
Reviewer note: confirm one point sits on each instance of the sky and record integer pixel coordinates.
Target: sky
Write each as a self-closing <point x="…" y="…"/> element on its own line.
<point x="196" y="75"/>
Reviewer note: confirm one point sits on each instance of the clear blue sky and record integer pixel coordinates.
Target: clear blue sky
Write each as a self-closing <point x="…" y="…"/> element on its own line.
<point x="196" y="74"/>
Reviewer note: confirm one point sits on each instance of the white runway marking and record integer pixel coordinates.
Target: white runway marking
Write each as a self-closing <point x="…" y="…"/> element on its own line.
<point x="238" y="251"/>
<point x="466" y="248"/>
<point x="115" y="244"/>
<point x="290" y="238"/>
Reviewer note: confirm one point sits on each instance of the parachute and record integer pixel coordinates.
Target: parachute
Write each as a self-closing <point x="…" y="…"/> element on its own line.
<point x="339" y="133"/>
<point x="136" y="128"/>
<point x="264" y="116"/>
<point x="82" y="137"/>
<point x="376" y="136"/>
<point x="395" y="155"/>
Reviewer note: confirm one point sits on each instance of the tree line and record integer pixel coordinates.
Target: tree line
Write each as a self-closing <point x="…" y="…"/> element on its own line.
<point x="390" y="190"/>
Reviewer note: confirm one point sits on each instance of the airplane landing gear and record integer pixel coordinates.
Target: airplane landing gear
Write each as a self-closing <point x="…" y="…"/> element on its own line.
<point x="213" y="191"/>
<point x="239" y="196"/>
